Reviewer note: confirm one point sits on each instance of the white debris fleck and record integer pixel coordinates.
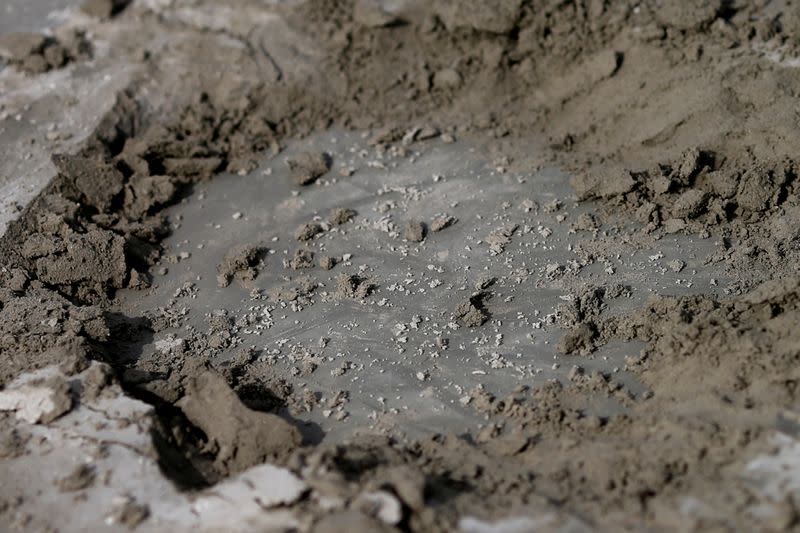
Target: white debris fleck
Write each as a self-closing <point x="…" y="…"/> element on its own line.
<point x="40" y="402"/>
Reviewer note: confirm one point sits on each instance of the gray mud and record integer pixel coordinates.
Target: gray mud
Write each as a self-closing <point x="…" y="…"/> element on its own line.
<point x="400" y="353"/>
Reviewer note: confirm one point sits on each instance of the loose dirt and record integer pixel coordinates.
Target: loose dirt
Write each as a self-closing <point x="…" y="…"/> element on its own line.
<point x="672" y="117"/>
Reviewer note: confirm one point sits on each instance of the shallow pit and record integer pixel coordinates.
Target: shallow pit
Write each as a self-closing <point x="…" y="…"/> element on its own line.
<point x="387" y="350"/>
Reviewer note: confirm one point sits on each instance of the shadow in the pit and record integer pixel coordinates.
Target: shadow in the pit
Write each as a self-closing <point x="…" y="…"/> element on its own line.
<point x="260" y="398"/>
<point x="183" y="455"/>
<point x="129" y="335"/>
<point x="311" y="432"/>
<point x="179" y="455"/>
<point x="441" y="488"/>
<point x="182" y="446"/>
<point x="178" y="443"/>
<point x="185" y="192"/>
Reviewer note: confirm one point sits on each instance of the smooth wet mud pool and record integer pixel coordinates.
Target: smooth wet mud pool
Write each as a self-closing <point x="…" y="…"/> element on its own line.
<point x="398" y="357"/>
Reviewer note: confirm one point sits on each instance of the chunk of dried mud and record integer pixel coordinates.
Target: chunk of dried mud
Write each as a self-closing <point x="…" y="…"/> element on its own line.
<point x="96" y="381"/>
<point x="240" y="262"/>
<point x="243" y="437"/>
<point x="690" y="164"/>
<point x="95" y="260"/>
<point x="690" y="204"/>
<point x="602" y="183"/>
<point x="757" y="188"/>
<point x="33" y="338"/>
<point x="15" y="280"/>
<point x="305" y="168"/>
<point x="676" y="265"/>
<point x="500" y="238"/>
<point x="586" y="307"/>
<point x="471" y="311"/>
<point x="484" y="282"/>
<point x="420" y="133"/>
<point x="353" y="286"/>
<point x="308" y="231"/>
<point x="327" y="262"/>
<point x="139" y="280"/>
<point x="579" y="340"/>
<point x="95" y="182"/>
<point x="143" y="195"/>
<point x="301" y="287"/>
<point x="341" y="215"/>
<point x="414" y="231"/>
<point x="586" y="222"/>
<point x="695" y="191"/>
<point x="442" y="222"/>
<point x="80" y="478"/>
<point x="302" y="259"/>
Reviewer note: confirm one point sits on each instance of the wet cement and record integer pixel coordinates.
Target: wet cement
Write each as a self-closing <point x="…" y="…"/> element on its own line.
<point x="383" y="349"/>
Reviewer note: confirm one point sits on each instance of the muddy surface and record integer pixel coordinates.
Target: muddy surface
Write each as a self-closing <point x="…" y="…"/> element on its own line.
<point x="393" y="324"/>
<point x="635" y="185"/>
